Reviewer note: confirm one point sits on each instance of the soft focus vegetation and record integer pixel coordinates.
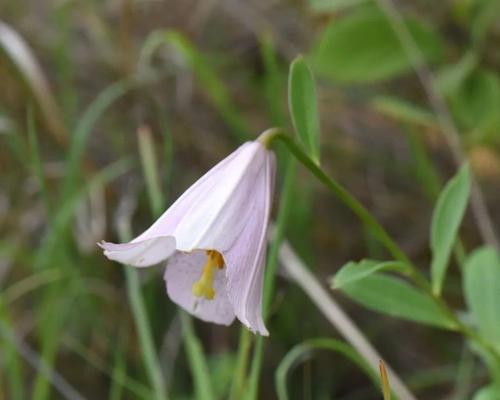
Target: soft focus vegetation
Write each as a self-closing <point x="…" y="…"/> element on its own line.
<point x="109" y="110"/>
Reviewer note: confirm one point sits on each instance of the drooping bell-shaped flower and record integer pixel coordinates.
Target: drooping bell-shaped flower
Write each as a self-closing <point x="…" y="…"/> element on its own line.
<point x="214" y="237"/>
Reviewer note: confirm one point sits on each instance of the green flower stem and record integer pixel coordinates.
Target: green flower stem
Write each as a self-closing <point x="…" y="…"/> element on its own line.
<point x="244" y="346"/>
<point x="276" y="134"/>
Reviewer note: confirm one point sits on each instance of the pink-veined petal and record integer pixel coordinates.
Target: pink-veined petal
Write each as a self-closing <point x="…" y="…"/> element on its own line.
<point x="140" y="254"/>
<point x="213" y="222"/>
<point x="245" y="259"/>
<point x="154" y="238"/>
<point x="183" y="270"/>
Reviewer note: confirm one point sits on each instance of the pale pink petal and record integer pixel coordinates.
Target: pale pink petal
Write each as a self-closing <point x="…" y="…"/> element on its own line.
<point x="246" y="257"/>
<point x="212" y="221"/>
<point x="140" y="254"/>
<point x="183" y="270"/>
<point x="195" y="198"/>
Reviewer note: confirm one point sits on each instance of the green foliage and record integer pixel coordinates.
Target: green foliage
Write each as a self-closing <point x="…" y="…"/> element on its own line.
<point x="59" y="299"/>
<point x="354" y="271"/>
<point x="395" y="297"/>
<point x="487" y="393"/>
<point x="303" y="107"/>
<point x="482" y="291"/>
<point x="476" y="102"/>
<point x="362" y="47"/>
<point x="451" y="77"/>
<point x="448" y="214"/>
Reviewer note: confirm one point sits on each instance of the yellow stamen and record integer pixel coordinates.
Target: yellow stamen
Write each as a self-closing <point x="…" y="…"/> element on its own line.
<point x="203" y="287"/>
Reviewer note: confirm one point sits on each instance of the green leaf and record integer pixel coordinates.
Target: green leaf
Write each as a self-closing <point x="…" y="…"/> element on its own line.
<point x="450" y="78"/>
<point x="403" y="111"/>
<point x="487" y="393"/>
<point x="482" y="291"/>
<point x="303" y="107"/>
<point x="476" y="101"/>
<point x="448" y="214"/>
<point x="354" y="271"/>
<point x="362" y="47"/>
<point x="394" y="296"/>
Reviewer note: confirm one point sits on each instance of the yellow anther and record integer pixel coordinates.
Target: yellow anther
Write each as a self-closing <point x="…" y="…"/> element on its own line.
<point x="203" y="287"/>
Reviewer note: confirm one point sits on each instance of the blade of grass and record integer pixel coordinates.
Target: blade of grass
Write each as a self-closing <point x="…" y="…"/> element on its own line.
<point x="197" y="361"/>
<point x="11" y="357"/>
<point x="58" y="382"/>
<point x="50" y="252"/>
<point x="94" y="360"/>
<point x="36" y="160"/>
<point x="244" y="347"/>
<point x="65" y="213"/>
<point x="206" y="75"/>
<point x="82" y="132"/>
<point x="150" y="170"/>
<point x="55" y="310"/>
<point x="19" y="53"/>
<point x="139" y="313"/>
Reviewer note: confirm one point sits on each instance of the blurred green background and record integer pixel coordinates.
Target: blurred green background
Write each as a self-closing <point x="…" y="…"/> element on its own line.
<point x="78" y="80"/>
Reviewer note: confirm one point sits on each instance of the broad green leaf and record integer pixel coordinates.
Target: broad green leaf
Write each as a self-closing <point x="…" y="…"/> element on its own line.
<point x="354" y="271"/>
<point x="394" y="296"/>
<point x="403" y="111"/>
<point x="303" y="106"/>
<point x="482" y="291"/>
<point x="362" y="47"/>
<point x="476" y="102"/>
<point x="448" y="214"/>
<point x="487" y="393"/>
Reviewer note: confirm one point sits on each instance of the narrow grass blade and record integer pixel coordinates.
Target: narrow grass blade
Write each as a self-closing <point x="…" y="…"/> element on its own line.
<point x="206" y="75"/>
<point x="19" y="53"/>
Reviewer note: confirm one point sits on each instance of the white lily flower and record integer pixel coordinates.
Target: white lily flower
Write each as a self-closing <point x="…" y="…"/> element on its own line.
<point x="214" y="237"/>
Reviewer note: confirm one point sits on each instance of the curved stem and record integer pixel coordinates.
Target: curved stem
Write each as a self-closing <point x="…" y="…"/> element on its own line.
<point x="276" y="134"/>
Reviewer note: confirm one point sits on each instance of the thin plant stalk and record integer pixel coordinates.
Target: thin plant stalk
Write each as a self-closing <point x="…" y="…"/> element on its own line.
<point x="300" y="274"/>
<point x="139" y="312"/>
<point x="244" y="347"/>
<point x="364" y="215"/>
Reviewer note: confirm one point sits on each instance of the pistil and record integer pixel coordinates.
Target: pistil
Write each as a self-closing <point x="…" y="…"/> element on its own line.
<point x="203" y="287"/>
